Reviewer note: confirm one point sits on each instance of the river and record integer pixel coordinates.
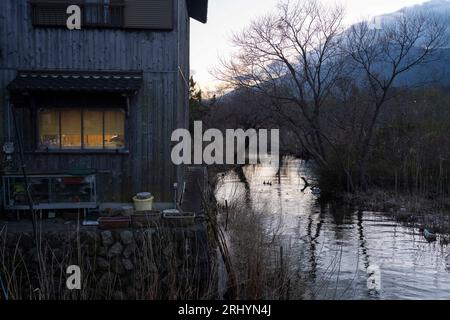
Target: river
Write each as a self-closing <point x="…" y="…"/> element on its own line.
<point x="346" y="254"/>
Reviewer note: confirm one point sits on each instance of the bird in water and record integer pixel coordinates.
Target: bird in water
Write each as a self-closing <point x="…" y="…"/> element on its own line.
<point x="429" y="235"/>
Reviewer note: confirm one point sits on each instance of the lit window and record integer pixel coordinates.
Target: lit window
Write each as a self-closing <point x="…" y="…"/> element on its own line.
<point x="70" y="129"/>
<point x="114" y="130"/>
<point x="93" y="129"/>
<point x="49" y="129"/>
<point x="81" y="129"/>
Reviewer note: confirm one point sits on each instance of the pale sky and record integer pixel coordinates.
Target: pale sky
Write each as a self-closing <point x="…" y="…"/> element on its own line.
<point x="211" y="41"/>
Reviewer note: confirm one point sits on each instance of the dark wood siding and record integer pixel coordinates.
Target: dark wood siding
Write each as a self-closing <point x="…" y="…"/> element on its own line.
<point x="155" y="111"/>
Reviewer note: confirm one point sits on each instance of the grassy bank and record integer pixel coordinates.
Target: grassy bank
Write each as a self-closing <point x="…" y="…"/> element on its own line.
<point x="262" y="263"/>
<point x="259" y="263"/>
<point x="414" y="210"/>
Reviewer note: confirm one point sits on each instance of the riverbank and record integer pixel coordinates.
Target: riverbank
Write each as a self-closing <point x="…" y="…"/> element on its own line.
<point x="413" y="210"/>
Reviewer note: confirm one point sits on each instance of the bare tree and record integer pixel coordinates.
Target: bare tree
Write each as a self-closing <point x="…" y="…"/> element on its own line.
<point x="381" y="55"/>
<point x="311" y="67"/>
<point x="293" y="56"/>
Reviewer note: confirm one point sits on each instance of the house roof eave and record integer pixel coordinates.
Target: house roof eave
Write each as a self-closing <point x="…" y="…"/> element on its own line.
<point x="198" y="10"/>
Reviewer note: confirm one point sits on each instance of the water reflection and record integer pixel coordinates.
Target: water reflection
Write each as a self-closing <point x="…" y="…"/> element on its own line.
<point x="340" y="250"/>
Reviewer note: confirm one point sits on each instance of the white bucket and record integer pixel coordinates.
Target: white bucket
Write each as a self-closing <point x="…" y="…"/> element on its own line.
<point x="143" y="204"/>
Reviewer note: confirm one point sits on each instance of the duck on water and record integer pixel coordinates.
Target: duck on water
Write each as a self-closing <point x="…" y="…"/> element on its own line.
<point x="429" y="235"/>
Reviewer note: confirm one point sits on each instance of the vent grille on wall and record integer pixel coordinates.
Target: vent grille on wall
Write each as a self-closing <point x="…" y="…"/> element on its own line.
<point x="49" y="14"/>
<point x="149" y="14"/>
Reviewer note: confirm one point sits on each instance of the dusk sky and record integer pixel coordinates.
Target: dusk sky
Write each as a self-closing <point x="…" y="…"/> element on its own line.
<point x="211" y="41"/>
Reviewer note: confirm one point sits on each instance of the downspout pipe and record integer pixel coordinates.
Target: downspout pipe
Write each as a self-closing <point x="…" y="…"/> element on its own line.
<point x="8" y="118"/>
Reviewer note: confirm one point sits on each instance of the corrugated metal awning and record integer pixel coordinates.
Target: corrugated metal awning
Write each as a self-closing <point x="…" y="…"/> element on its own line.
<point x="76" y="81"/>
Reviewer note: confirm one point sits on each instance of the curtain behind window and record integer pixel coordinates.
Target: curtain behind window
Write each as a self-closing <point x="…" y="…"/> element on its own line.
<point x="71" y="129"/>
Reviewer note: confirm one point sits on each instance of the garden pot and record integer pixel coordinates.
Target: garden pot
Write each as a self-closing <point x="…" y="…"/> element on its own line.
<point x="107" y="223"/>
<point x="175" y="218"/>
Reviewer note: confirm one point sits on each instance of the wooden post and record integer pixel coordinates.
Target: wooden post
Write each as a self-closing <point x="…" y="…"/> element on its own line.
<point x="24" y="172"/>
<point x="226" y="219"/>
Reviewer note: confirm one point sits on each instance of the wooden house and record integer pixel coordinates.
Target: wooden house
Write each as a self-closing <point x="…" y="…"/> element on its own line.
<point x="92" y="110"/>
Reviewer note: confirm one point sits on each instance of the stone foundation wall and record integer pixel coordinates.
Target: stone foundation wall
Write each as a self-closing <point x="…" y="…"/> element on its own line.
<point x="158" y="262"/>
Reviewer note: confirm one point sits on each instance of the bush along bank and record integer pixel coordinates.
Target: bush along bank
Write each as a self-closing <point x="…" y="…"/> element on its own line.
<point x="413" y="210"/>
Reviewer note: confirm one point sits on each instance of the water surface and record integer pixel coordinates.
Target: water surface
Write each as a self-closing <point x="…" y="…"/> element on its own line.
<point x="339" y="249"/>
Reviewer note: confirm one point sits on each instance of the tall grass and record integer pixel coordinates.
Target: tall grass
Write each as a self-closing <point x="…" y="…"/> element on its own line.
<point x="259" y="262"/>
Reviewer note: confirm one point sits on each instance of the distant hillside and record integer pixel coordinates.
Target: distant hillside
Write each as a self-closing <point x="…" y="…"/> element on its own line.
<point x="433" y="73"/>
